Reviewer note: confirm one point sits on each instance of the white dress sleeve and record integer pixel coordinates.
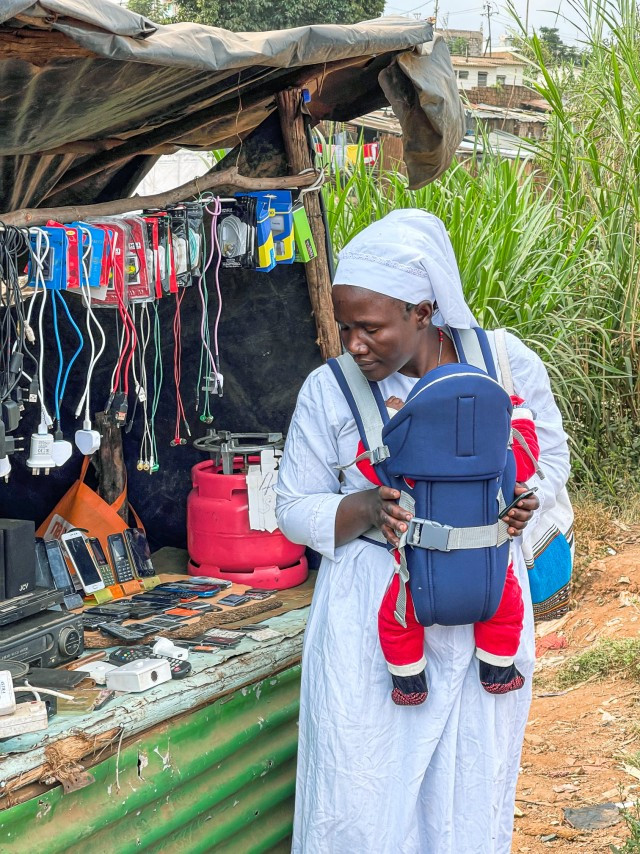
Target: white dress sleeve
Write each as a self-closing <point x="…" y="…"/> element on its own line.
<point x="531" y="381"/>
<point x="308" y="490"/>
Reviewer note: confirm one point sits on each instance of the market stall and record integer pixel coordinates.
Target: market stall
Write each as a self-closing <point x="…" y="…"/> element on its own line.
<point x="137" y="363"/>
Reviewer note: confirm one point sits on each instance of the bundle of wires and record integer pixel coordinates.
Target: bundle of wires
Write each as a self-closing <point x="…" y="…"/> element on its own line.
<point x="13" y="243"/>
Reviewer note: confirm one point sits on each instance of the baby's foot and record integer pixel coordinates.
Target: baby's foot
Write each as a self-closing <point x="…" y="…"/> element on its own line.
<point x="409" y="690"/>
<point x="500" y="680"/>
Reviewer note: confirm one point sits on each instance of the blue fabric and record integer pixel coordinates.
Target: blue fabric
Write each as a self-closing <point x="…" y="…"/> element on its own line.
<point x="551" y="570"/>
<point x="451" y="438"/>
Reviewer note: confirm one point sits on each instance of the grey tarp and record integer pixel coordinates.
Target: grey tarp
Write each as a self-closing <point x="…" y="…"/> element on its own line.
<point x="91" y="94"/>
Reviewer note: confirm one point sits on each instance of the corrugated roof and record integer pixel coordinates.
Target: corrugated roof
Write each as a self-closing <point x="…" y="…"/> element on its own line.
<point x="484" y="61"/>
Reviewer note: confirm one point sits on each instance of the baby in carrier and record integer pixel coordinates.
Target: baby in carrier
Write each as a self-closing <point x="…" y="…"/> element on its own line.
<point x="498" y="638"/>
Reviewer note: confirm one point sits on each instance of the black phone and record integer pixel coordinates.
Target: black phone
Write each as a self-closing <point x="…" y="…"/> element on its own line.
<point x="44" y="578"/>
<point x="58" y="565"/>
<point x="100" y="560"/>
<point x="518" y="498"/>
<point x="139" y="551"/>
<point x="120" y="559"/>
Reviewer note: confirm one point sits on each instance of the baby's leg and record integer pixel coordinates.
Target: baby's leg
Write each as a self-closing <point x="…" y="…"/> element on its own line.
<point x="403" y="649"/>
<point x="497" y="641"/>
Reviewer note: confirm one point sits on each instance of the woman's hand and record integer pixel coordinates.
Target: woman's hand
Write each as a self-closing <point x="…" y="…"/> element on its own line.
<point x="372" y="508"/>
<point x="520" y="516"/>
<point x="387" y="515"/>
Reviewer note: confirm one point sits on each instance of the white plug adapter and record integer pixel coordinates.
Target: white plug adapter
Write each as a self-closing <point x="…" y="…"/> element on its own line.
<point x="7" y="696"/>
<point x="40" y="456"/>
<point x="87" y="440"/>
<point x="61" y="451"/>
<point x="5" y="468"/>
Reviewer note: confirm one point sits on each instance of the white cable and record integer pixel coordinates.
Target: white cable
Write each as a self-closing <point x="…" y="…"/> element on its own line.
<point x="32" y="690"/>
<point x="145" y="335"/>
<point x="39" y="257"/>
<point x="45" y="418"/>
<point x="86" y="296"/>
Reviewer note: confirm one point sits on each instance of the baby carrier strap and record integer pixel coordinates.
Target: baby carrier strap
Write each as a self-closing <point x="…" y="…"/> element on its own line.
<point x="506" y="380"/>
<point x="367" y="406"/>
<point x="472" y="347"/>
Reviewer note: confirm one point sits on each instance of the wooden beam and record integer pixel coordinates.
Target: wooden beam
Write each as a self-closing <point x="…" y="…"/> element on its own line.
<point x="111" y="466"/>
<point x="317" y="270"/>
<point x="211" y="180"/>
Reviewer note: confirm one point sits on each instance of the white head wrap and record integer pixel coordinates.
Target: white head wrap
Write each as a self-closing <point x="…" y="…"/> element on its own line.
<point x="408" y="255"/>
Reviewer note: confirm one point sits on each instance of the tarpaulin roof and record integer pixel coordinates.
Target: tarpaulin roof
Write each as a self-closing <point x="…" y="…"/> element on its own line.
<point x="91" y="93"/>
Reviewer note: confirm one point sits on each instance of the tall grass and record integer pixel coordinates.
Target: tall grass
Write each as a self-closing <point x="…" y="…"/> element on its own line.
<point x="553" y="254"/>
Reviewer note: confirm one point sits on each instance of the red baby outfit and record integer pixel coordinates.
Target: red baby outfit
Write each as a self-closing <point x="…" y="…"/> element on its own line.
<point x="497" y="639"/>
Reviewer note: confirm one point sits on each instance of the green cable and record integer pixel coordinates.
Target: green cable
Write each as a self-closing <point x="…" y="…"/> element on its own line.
<point x="158" y="377"/>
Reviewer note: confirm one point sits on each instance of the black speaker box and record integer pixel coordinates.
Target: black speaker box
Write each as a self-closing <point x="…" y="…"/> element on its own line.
<point x="19" y="556"/>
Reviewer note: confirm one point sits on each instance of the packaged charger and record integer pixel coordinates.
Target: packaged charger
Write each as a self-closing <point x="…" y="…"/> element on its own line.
<point x="281" y="224"/>
<point x="237" y="232"/>
<point x="54" y="265"/>
<point x="180" y="245"/>
<point x="304" y="243"/>
<point x="119" y="237"/>
<point x="265" y="250"/>
<point x="72" y="261"/>
<point x="138" y="284"/>
<point x="92" y="252"/>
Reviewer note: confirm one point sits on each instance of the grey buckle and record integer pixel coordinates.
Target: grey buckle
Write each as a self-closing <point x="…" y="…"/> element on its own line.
<point x="426" y="534"/>
<point x="379" y="454"/>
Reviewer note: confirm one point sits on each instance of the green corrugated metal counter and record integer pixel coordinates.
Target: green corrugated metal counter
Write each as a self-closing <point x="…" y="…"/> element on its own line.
<point x="197" y="765"/>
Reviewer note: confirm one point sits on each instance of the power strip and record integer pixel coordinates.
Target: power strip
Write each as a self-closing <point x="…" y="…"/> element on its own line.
<point x="28" y="717"/>
<point x="7" y="695"/>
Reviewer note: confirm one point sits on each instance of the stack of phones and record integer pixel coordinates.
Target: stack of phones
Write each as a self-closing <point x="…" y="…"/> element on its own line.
<point x="129" y="552"/>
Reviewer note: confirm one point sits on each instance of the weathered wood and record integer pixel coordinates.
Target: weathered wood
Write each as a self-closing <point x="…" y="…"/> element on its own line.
<point x="225" y="178"/>
<point x="112" y="472"/>
<point x="25" y="758"/>
<point x="317" y="270"/>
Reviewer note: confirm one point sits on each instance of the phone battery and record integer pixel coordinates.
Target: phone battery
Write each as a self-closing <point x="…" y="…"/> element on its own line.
<point x="228" y="634"/>
<point x="265" y="634"/>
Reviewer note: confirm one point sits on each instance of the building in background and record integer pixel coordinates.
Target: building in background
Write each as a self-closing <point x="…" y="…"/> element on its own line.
<point x="503" y="68"/>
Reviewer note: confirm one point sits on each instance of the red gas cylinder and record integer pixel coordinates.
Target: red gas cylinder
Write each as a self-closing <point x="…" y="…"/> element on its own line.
<point x="222" y="544"/>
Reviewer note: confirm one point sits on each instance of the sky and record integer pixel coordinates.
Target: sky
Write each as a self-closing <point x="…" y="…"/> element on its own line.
<point x="470" y="14"/>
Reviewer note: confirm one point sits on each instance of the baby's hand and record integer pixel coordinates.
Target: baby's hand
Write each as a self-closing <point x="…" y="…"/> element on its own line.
<point x="394" y="403"/>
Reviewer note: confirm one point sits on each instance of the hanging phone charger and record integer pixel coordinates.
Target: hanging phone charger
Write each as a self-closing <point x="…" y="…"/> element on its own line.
<point x="87" y="440"/>
<point x="61" y="449"/>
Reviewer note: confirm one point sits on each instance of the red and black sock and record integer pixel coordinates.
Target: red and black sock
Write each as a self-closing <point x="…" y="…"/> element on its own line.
<point x="500" y="680"/>
<point x="409" y="690"/>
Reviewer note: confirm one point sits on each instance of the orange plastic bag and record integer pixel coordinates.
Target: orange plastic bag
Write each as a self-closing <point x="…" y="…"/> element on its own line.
<point x="81" y="507"/>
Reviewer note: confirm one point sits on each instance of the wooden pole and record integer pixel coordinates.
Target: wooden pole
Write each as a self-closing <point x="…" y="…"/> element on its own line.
<point x="224" y="178"/>
<point x="112" y="472"/>
<point x="317" y="270"/>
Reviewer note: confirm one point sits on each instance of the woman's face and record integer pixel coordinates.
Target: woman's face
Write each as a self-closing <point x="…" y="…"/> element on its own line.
<point x="382" y="335"/>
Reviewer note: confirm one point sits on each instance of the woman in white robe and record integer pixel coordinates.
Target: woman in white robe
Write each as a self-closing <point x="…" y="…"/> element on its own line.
<point x="373" y="777"/>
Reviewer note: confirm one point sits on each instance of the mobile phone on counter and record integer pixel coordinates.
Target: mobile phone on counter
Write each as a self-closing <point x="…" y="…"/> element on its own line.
<point x="120" y="559"/>
<point x="233" y="599"/>
<point x="139" y="552"/>
<point x="100" y="559"/>
<point x="44" y="578"/>
<point x="59" y="570"/>
<point x="77" y="548"/>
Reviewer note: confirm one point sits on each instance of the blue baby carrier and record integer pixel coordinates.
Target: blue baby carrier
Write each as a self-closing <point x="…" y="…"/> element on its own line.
<point x="452" y="441"/>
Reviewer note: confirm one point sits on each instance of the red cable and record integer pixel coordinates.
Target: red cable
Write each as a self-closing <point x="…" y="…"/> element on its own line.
<point x="177" y="365"/>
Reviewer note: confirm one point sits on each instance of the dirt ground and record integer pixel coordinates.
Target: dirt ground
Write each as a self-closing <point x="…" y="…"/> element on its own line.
<point x="578" y="741"/>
